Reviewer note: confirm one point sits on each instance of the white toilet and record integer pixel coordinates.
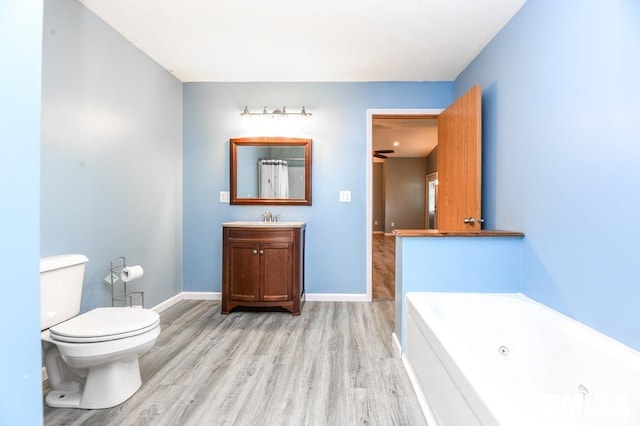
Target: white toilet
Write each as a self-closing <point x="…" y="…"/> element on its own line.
<point x="91" y="359"/>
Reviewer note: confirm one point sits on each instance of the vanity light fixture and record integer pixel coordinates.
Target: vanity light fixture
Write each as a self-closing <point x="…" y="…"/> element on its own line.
<point x="303" y="117"/>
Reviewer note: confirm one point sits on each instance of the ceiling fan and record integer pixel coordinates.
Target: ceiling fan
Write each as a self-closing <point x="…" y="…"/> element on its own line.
<point x="379" y="153"/>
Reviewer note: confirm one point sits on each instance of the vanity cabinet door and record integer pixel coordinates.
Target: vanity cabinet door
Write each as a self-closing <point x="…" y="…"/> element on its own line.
<point x="244" y="268"/>
<point x="276" y="272"/>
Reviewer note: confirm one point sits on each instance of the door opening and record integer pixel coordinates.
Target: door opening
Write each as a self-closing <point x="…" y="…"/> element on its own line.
<point x="380" y="244"/>
<point x="459" y="167"/>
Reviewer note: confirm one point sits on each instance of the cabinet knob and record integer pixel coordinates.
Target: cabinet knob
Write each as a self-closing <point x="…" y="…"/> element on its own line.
<point x="255" y="252"/>
<point x="261" y="251"/>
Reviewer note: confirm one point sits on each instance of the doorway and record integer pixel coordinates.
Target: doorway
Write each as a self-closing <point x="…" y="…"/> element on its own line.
<point x="386" y="247"/>
<point x="459" y="166"/>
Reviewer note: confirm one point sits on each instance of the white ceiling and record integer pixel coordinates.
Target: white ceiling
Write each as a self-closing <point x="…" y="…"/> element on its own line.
<point x="296" y="41"/>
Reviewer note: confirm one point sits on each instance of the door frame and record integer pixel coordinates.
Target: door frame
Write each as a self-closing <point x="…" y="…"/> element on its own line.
<point x="369" y="178"/>
<point x="430" y="178"/>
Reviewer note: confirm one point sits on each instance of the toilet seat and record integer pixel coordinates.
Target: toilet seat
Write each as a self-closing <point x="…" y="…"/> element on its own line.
<point x="105" y="324"/>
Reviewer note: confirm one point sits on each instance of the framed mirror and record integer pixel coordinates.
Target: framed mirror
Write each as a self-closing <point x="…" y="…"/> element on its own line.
<point x="270" y="170"/>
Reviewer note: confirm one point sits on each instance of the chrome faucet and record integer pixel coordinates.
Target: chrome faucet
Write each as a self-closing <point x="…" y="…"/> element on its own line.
<point x="269" y="217"/>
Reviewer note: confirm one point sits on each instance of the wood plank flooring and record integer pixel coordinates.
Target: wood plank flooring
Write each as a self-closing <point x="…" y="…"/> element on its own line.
<point x="384" y="266"/>
<point x="332" y="365"/>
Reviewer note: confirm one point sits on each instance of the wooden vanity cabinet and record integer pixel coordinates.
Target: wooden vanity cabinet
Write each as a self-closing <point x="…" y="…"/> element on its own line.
<point x="263" y="267"/>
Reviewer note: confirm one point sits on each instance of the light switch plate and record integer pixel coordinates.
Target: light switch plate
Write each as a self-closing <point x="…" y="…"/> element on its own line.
<point x="345" y="196"/>
<point x="224" y="196"/>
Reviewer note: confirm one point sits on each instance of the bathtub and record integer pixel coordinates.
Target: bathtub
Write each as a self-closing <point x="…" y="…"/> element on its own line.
<point x="504" y="359"/>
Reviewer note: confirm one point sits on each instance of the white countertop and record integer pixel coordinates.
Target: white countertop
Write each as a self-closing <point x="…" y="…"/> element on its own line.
<point x="261" y="224"/>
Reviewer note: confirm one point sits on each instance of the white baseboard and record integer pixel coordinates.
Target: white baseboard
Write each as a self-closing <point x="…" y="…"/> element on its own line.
<point x="187" y="295"/>
<point x="337" y="297"/>
<point x="202" y="295"/>
<point x="167" y="303"/>
<point x="396" y="343"/>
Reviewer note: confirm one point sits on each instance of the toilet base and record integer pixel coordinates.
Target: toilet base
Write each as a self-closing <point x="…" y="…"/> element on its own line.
<point x="62" y="399"/>
<point x="106" y="386"/>
<point x="94" y="375"/>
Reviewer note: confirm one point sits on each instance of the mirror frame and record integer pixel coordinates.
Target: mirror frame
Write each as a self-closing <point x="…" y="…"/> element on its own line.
<point x="234" y="143"/>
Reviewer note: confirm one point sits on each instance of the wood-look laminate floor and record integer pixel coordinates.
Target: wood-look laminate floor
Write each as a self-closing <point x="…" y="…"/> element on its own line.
<point x="384" y="266"/>
<point x="333" y="365"/>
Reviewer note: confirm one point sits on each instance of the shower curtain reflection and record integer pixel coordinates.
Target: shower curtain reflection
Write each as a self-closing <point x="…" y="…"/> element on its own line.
<point x="273" y="178"/>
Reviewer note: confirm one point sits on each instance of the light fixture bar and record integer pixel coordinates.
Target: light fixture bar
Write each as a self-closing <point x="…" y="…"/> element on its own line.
<point x="276" y="113"/>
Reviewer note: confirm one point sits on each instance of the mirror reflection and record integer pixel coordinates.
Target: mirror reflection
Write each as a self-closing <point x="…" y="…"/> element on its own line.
<point x="271" y="171"/>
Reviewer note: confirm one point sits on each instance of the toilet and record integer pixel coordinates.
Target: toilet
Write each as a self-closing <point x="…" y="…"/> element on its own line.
<point x="91" y="359"/>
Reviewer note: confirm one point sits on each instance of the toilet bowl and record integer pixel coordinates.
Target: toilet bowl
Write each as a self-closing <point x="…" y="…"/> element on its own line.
<point x="91" y="359"/>
<point x="100" y="351"/>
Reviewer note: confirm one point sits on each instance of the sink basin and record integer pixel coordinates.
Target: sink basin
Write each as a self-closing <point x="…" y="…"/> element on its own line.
<point x="261" y="224"/>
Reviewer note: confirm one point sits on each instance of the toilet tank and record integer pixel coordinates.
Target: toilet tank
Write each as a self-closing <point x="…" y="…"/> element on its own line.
<point x="61" y="279"/>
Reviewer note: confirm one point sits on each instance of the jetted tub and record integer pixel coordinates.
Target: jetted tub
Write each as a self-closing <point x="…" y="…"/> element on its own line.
<point x="504" y="359"/>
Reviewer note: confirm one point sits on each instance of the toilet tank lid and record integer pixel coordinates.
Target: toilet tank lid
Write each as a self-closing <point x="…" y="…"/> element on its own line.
<point x="61" y="261"/>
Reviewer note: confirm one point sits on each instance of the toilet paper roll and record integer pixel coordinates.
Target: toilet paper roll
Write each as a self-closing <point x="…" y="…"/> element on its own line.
<point x="131" y="273"/>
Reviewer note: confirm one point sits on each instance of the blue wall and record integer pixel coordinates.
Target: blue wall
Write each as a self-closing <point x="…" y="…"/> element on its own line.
<point x="562" y="154"/>
<point x="336" y="232"/>
<point x="111" y="155"/>
<point x="20" y="50"/>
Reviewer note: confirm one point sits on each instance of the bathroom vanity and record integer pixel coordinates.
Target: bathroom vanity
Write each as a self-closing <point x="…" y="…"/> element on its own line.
<point x="263" y="265"/>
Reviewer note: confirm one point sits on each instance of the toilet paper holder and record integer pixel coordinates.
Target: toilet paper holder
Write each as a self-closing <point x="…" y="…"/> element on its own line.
<point x="126" y="297"/>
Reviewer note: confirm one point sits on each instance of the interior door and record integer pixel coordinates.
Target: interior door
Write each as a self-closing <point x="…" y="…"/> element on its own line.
<point x="460" y="164"/>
